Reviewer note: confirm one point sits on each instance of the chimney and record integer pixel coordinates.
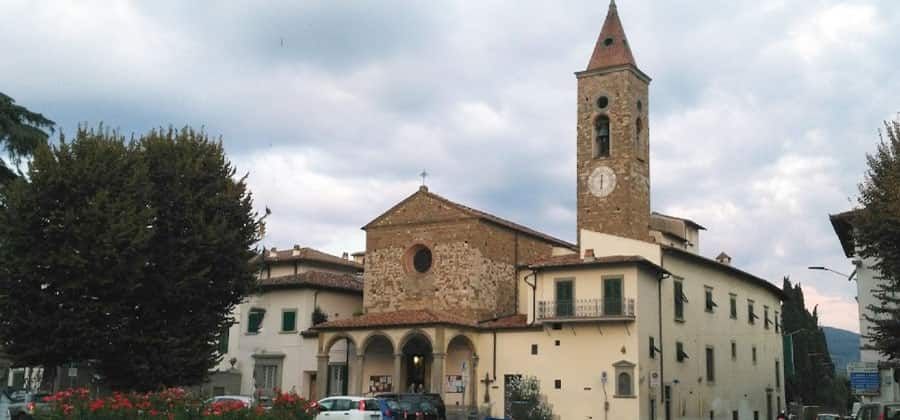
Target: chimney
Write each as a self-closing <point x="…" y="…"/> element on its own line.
<point x="345" y="256"/>
<point x="296" y="251"/>
<point x="273" y="252"/>
<point x="724" y="258"/>
<point x="589" y="254"/>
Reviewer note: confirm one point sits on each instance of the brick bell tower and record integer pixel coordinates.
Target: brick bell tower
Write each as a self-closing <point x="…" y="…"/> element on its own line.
<point x="613" y="157"/>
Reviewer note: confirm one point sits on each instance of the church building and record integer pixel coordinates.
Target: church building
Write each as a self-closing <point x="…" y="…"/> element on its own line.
<point x="630" y="322"/>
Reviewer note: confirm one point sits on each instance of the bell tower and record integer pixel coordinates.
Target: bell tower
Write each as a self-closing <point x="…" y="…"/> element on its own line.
<point x="613" y="156"/>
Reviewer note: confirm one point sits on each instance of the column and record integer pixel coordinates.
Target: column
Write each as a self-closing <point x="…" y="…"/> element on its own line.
<point x="399" y="383"/>
<point x="358" y="387"/>
<point x="437" y="372"/>
<point x="472" y="398"/>
<point x="322" y="376"/>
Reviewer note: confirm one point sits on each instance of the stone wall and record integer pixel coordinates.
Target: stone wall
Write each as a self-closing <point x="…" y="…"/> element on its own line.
<point x="626" y="211"/>
<point x="473" y="272"/>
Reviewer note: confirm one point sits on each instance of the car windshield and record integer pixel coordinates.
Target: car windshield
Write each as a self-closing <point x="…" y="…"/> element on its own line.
<point x="892" y="412"/>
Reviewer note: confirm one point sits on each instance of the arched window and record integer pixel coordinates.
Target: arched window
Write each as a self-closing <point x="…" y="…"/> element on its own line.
<point x="638" y="127"/>
<point x="623" y="384"/>
<point x="601" y="141"/>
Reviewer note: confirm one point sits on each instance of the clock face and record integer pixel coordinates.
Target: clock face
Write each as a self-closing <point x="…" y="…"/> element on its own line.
<point x="602" y="181"/>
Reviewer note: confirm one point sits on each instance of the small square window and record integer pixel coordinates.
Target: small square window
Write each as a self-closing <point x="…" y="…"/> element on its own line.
<point x="557" y="326"/>
<point x="534" y="349"/>
<point x="288" y="321"/>
<point x="557" y="384"/>
<point x="557" y="343"/>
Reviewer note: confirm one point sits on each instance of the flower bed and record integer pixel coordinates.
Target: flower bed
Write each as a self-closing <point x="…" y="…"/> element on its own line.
<point x="169" y="404"/>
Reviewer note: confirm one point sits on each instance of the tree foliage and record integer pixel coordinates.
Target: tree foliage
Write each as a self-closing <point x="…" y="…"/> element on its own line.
<point x="126" y="254"/>
<point x="526" y="401"/>
<point x="812" y="379"/>
<point x="21" y="132"/>
<point x="876" y="232"/>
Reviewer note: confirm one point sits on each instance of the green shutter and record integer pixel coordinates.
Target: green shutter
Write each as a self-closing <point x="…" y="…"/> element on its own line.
<point x="254" y="320"/>
<point x="223" y="342"/>
<point x="289" y="321"/>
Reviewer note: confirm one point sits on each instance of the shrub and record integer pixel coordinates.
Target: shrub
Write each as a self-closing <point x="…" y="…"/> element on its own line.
<point x="169" y="404"/>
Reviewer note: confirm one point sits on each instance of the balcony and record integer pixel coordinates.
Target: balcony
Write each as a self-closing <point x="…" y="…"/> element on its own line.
<point x="585" y="310"/>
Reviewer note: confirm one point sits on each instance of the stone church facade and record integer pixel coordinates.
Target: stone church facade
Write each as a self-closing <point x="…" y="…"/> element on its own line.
<point x="631" y="322"/>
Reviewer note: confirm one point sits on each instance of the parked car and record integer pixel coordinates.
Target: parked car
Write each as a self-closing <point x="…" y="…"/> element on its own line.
<point x="348" y="408"/>
<point x="416" y="406"/>
<point x="829" y="417"/>
<point x="24" y="405"/>
<point x="244" y="399"/>
<point x="879" y="411"/>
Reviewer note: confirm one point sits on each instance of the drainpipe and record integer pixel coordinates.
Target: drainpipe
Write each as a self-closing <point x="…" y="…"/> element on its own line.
<point x="533" y="295"/>
<point x="662" y="381"/>
<point x="495" y="355"/>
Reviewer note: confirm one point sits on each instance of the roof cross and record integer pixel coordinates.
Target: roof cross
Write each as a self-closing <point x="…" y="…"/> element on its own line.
<point x="424" y="175"/>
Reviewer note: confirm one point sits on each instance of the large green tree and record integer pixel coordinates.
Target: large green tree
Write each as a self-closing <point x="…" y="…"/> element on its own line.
<point x="877" y="235"/>
<point x="21" y="132"/>
<point x="809" y="371"/>
<point x="127" y="254"/>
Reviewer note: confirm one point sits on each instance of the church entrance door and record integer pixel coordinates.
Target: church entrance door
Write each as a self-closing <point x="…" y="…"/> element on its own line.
<point x="417" y="364"/>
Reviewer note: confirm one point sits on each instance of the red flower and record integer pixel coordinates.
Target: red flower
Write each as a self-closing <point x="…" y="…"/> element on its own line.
<point x="97" y="404"/>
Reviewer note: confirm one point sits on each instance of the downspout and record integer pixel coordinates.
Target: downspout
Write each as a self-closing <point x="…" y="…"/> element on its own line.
<point x="495" y="355"/>
<point x="662" y="381"/>
<point x="533" y="295"/>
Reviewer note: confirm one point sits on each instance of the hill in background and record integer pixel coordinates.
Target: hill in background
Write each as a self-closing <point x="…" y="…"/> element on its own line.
<point x="843" y="346"/>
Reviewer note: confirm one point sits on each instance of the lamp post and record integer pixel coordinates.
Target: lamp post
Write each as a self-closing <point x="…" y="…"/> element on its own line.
<point x="823" y="268"/>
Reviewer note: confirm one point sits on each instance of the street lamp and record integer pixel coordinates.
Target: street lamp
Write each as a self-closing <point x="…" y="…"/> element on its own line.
<point x="823" y="268"/>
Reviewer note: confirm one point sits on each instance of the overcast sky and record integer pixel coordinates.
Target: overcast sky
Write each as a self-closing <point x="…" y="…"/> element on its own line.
<point x="761" y="112"/>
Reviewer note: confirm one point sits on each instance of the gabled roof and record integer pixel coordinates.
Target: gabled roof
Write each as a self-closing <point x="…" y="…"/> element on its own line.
<point x="611" y="49"/>
<point x="309" y="254"/>
<point x="843" y="227"/>
<point x="315" y="280"/>
<point x="471" y="212"/>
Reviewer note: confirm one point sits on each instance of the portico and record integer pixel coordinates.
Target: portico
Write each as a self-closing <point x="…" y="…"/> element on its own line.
<point x="432" y="357"/>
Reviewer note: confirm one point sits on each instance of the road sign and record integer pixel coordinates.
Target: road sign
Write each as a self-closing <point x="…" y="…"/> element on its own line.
<point x="864" y="378"/>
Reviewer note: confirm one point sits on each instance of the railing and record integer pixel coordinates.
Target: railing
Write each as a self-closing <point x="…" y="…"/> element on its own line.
<point x="585" y="309"/>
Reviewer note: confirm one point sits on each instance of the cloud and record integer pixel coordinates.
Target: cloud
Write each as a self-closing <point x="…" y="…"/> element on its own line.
<point x="760" y="113"/>
<point x="835" y="311"/>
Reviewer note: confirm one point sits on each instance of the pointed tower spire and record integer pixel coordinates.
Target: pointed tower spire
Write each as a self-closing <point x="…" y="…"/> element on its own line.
<point x="612" y="47"/>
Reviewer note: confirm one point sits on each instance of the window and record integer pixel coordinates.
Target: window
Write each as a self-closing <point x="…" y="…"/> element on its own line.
<point x="601" y="142"/>
<point x="418" y="259"/>
<point x="680" y="299"/>
<point x="766" y="320"/>
<point x="777" y="374"/>
<point x="623" y="384"/>
<point x="638" y="127"/>
<point x="223" y="341"/>
<point x="710" y="365"/>
<point x="754" y="354"/>
<point x="534" y="349"/>
<point x="255" y="319"/>
<point x="612" y="296"/>
<point x="733" y="350"/>
<point x="680" y="355"/>
<point x="734" y="415"/>
<point x="777" y="322"/>
<point x="602" y="102"/>
<point x="732" y="300"/>
<point x="565" y="306"/>
<point x="289" y="320"/>
<point x="557" y="384"/>
<point x="751" y="315"/>
<point x="710" y="303"/>
<point x="653" y="349"/>
<point x="624" y="378"/>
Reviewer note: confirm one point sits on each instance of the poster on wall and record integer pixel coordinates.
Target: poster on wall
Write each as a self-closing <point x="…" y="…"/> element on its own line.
<point x="455" y="384"/>
<point x="379" y="383"/>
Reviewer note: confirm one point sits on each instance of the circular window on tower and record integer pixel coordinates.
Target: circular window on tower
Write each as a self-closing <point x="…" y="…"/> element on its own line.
<point x="607" y="42"/>
<point x="419" y="259"/>
<point x="602" y="102"/>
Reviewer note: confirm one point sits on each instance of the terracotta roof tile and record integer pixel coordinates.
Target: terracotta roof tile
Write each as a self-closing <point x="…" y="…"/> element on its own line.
<point x="575" y="260"/>
<point x="612" y="47"/>
<point x="512" y="321"/>
<point x="310" y="254"/>
<point x="398" y="318"/>
<point x="315" y="279"/>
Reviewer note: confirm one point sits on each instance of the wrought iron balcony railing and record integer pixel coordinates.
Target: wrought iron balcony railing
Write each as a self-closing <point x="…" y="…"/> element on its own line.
<point x="585" y="309"/>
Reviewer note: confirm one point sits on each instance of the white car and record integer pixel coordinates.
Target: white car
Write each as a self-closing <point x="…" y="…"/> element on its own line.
<point x="348" y="408"/>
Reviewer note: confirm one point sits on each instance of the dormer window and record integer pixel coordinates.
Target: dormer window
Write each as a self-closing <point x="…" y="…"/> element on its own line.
<point x="601" y="139"/>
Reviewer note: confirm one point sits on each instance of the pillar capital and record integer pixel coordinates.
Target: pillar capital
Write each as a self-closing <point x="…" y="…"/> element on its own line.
<point x="439" y="355"/>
